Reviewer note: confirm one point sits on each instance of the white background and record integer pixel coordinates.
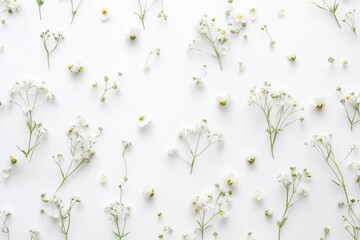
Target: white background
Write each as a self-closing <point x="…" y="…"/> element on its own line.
<point x="168" y="94"/>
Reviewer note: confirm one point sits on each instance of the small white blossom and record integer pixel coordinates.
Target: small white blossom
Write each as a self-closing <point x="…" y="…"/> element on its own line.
<point x="291" y="57"/>
<point x="230" y="179"/>
<point x="105" y="15"/>
<point x="134" y="33"/>
<point x="144" y="120"/>
<point x="258" y="194"/>
<point x="319" y="103"/>
<point x="250" y="158"/>
<point x="223" y="100"/>
<point x="242" y="65"/>
<point x="6" y="172"/>
<point x="76" y="66"/>
<point x="173" y="151"/>
<point x="103" y="179"/>
<point x="34" y="234"/>
<point x="148" y="192"/>
<point x="282" y="12"/>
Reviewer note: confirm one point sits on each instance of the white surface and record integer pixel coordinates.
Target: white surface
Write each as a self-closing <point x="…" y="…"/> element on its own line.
<point x="168" y="94"/>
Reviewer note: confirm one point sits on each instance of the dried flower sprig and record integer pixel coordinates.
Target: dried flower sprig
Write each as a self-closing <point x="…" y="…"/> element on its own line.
<point x="81" y="150"/>
<point x="351" y="104"/>
<point x="9" y="7"/>
<point x="108" y="86"/>
<point x="210" y="207"/>
<point x="349" y="20"/>
<point x="279" y="109"/>
<point x="203" y="139"/>
<point x="74" y="9"/>
<point x="216" y="38"/>
<point x="265" y="29"/>
<point x="325" y="233"/>
<point x="323" y="145"/>
<point x="292" y="184"/>
<point x="58" y="211"/>
<point x="118" y="211"/>
<point x="34" y="234"/>
<point x="199" y="79"/>
<point x="47" y="36"/>
<point x="29" y="96"/>
<point x="39" y="3"/>
<point x="166" y="229"/>
<point x="330" y="8"/>
<point x="144" y="8"/>
<point x="4" y="215"/>
<point x="155" y="52"/>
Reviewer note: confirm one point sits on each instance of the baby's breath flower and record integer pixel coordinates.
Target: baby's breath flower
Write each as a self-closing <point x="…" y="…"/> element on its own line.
<point x="76" y="66"/>
<point x="223" y="100"/>
<point x="250" y="158"/>
<point x="230" y="179"/>
<point x="345" y="62"/>
<point x="253" y="14"/>
<point x="205" y="139"/>
<point x="50" y="42"/>
<point x="199" y="80"/>
<point x="268" y="213"/>
<point x="349" y="20"/>
<point x="319" y="103"/>
<point x="34" y="234"/>
<point x="282" y="12"/>
<point x="103" y="179"/>
<point x="242" y="65"/>
<point x="134" y="33"/>
<point x="6" y="172"/>
<point x="13" y="160"/>
<point x="155" y="52"/>
<point x="144" y="120"/>
<point x="258" y="194"/>
<point x="351" y="104"/>
<point x="148" y="192"/>
<point x="265" y="29"/>
<point x="108" y="86"/>
<point x="291" y="57"/>
<point x="331" y="60"/>
<point x="105" y="15"/>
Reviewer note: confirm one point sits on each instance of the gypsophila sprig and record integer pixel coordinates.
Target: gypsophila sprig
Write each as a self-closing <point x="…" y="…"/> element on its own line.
<point x="166" y="229"/>
<point x="9" y="7"/>
<point x="329" y="7"/>
<point x="29" y="96"/>
<point x="279" y="108"/>
<point x="351" y="104"/>
<point x="349" y="20"/>
<point x="155" y="52"/>
<point x="325" y="233"/>
<point x="144" y="8"/>
<point x="108" y="85"/>
<point x="197" y="140"/>
<point x="291" y="182"/>
<point x="272" y="41"/>
<point x="216" y="38"/>
<point x="118" y="212"/>
<point x="209" y="207"/>
<point x="50" y="41"/>
<point x="323" y="145"/>
<point x="34" y="234"/>
<point x="81" y="150"/>
<point x="4" y="215"/>
<point x="199" y="79"/>
<point x="58" y="212"/>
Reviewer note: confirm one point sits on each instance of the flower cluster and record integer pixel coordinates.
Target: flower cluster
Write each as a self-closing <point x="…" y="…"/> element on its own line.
<point x="216" y="38"/>
<point x="349" y="20"/>
<point x="29" y="96"/>
<point x="50" y="42"/>
<point x="199" y="79"/>
<point x="294" y="193"/>
<point x="323" y="145"/>
<point x="264" y="28"/>
<point x="144" y="8"/>
<point x="167" y="229"/>
<point x="9" y="7"/>
<point x="108" y="86"/>
<point x="119" y="213"/>
<point x="279" y="108"/>
<point x="58" y="212"/>
<point x="203" y="139"/>
<point x="81" y="149"/>
<point x="211" y="206"/>
<point x="351" y="104"/>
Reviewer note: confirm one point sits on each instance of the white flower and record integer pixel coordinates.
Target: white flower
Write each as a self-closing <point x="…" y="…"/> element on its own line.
<point x="6" y="172"/>
<point x="303" y="192"/>
<point x="118" y="210"/>
<point x="173" y="151"/>
<point x="148" y="192"/>
<point x="282" y="12"/>
<point x="104" y="14"/>
<point x="230" y="179"/>
<point x="224" y="100"/>
<point x="134" y="33"/>
<point x="319" y="102"/>
<point x="291" y="57"/>
<point x="258" y="194"/>
<point x="103" y="179"/>
<point x="2" y="48"/>
<point x="76" y="66"/>
<point x="144" y="120"/>
<point x="250" y="158"/>
<point x="239" y="18"/>
<point x="242" y="65"/>
<point x="34" y="234"/>
<point x="253" y="14"/>
<point x="268" y="213"/>
<point x="345" y="62"/>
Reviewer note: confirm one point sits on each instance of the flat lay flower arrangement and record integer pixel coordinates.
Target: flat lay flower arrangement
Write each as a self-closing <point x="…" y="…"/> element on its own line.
<point x="194" y="120"/>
